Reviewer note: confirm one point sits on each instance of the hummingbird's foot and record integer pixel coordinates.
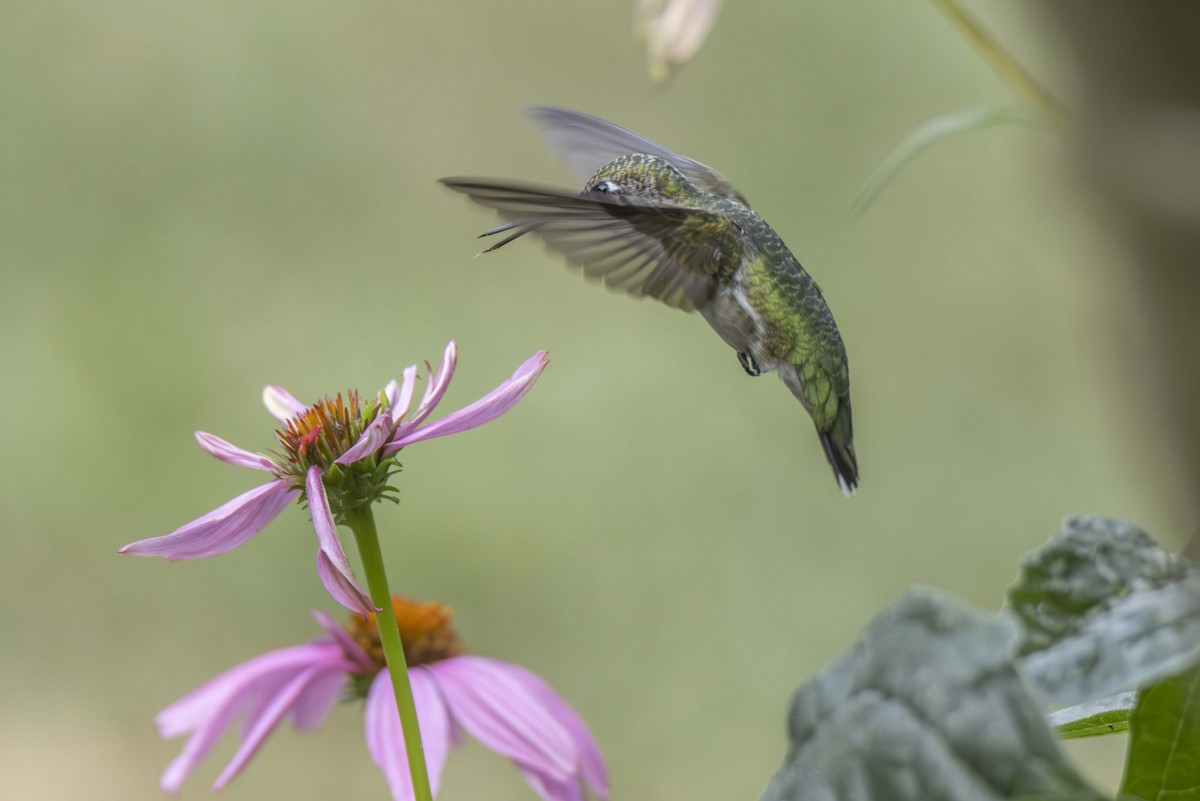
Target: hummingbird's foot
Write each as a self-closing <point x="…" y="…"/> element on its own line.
<point x="748" y="364"/>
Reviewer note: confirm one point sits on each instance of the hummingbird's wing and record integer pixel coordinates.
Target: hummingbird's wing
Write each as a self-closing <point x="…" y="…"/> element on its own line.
<point x="673" y="253"/>
<point x="585" y="144"/>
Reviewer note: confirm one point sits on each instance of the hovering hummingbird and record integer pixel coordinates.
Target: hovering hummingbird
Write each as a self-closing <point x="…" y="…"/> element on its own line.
<point x="654" y="223"/>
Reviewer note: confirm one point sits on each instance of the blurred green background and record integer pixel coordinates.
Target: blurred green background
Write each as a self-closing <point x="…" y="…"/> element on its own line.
<point x="198" y="199"/>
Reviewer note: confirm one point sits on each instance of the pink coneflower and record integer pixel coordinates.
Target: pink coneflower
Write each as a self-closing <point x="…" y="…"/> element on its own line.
<point x="337" y="456"/>
<point x="507" y="708"/>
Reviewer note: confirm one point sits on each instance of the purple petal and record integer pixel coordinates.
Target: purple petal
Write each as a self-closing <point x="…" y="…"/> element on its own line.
<point x="282" y="701"/>
<point x="281" y="404"/>
<point x="233" y="454"/>
<point x="385" y="738"/>
<point x="376" y="433"/>
<point x="313" y="704"/>
<point x="552" y="789"/>
<point x="437" y="386"/>
<point x="222" y="529"/>
<point x="350" y="648"/>
<point x="391" y="393"/>
<point x="342" y="589"/>
<point x="591" y="762"/>
<point x="484" y="410"/>
<point x="403" y="398"/>
<point x="498" y="710"/>
<point x="332" y="565"/>
<point x="193" y="709"/>
<point x="196" y="748"/>
<point x="210" y="709"/>
<point x="318" y="700"/>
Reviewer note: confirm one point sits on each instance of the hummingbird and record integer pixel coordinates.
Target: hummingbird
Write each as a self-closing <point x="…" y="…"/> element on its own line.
<point x="657" y="224"/>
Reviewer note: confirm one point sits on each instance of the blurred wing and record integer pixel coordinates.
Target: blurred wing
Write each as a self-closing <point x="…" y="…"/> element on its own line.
<point x="672" y="253"/>
<point x="585" y="144"/>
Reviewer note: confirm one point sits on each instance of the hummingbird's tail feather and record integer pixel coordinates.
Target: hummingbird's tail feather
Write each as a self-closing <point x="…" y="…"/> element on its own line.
<point x="829" y="406"/>
<point x="838" y="443"/>
<point x="519" y="229"/>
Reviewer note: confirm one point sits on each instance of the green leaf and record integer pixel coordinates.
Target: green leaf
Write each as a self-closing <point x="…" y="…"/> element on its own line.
<point x="926" y="707"/>
<point x="1104" y="608"/>
<point x="1164" y="733"/>
<point x="1094" y="718"/>
<point x="933" y="131"/>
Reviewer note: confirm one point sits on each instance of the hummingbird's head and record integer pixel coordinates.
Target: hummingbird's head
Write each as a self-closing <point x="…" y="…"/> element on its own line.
<point x="639" y="176"/>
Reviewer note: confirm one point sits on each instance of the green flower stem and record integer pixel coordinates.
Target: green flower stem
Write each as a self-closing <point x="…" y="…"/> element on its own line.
<point x="1000" y="59"/>
<point x="362" y="523"/>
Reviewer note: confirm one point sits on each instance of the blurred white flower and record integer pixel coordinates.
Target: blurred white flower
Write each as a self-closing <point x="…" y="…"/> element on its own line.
<point x="673" y="31"/>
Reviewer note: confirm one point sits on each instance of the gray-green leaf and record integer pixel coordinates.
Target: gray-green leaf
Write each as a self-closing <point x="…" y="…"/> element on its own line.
<point x="926" y="707"/>
<point x="1087" y="565"/>
<point x="1164" y="748"/>
<point x="1103" y="608"/>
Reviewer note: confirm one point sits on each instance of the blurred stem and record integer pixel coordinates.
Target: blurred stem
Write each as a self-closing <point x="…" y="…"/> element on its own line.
<point x="1000" y="59"/>
<point x="362" y="523"/>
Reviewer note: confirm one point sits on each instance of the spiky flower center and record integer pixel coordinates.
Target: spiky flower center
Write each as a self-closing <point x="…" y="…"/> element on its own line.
<point x="323" y="432"/>
<point x="425" y="631"/>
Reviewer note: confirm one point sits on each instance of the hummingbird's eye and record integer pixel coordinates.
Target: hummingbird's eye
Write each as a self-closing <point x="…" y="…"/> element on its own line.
<point x="605" y="187"/>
